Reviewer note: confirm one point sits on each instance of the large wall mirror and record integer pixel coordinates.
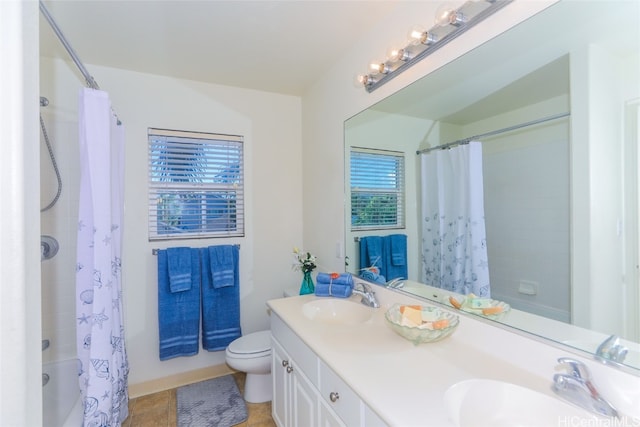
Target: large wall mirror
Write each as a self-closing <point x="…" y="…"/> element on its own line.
<point x="554" y="105"/>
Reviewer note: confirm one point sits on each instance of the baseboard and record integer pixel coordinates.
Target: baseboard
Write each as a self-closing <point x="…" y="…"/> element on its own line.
<point x="178" y="380"/>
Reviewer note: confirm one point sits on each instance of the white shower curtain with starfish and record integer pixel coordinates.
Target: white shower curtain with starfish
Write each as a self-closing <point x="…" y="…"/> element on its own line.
<point x="100" y="329"/>
<point x="454" y="240"/>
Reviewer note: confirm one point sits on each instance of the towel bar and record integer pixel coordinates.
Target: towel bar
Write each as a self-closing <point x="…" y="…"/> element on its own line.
<point x="154" y="251"/>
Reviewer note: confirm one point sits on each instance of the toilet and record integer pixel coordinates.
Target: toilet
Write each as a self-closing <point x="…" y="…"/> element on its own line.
<point x="251" y="353"/>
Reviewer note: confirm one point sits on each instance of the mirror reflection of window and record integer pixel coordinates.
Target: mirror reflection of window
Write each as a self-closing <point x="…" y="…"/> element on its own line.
<point x="377" y="189"/>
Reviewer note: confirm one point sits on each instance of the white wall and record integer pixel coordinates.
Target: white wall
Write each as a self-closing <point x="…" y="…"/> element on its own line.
<point x="270" y="124"/>
<point x="20" y="356"/>
<point x="601" y="84"/>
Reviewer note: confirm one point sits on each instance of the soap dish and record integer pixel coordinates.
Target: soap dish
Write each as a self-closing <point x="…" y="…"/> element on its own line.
<point x="501" y="308"/>
<point x="419" y="335"/>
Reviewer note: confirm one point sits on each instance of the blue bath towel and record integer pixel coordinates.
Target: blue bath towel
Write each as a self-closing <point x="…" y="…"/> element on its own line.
<point x="220" y="306"/>
<point x="178" y="312"/>
<point x="222" y="267"/>
<point x="333" y="290"/>
<point x="179" y="260"/>
<point x="342" y="279"/>
<point x="395" y="257"/>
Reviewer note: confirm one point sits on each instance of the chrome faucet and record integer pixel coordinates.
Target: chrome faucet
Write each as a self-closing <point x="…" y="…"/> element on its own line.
<point x="368" y="295"/>
<point x="396" y="283"/>
<point x="611" y="350"/>
<point x="577" y="388"/>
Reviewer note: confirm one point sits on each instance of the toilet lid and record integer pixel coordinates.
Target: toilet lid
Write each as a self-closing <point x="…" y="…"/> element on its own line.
<point x="257" y="342"/>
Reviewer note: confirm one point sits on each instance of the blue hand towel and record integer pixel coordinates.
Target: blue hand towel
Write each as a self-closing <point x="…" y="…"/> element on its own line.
<point x="222" y="268"/>
<point x="342" y="279"/>
<point x="220" y="306"/>
<point x="179" y="260"/>
<point x="178" y="312"/>
<point x="371" y="252"/>
<point x="395" y="248"/>
<point x="398" y="243"/>
<point x="333" y="290"/>
<point x="373" y="277"/>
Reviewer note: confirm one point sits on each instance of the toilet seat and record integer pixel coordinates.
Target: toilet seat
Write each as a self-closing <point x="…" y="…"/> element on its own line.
<point x="251" y="346"/>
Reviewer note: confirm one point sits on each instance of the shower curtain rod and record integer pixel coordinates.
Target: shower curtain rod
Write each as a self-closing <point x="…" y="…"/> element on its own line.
<point x="52" y="23"/>
<point x="494" y="132"/>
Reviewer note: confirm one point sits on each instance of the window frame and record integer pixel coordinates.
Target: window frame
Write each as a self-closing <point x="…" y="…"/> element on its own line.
<point x="201" y="179"/>
<point x="399" y="192"/>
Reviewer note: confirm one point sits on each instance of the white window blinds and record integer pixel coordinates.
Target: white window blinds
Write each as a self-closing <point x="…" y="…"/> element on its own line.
<point x="377" y="189"/>
<point x="196" y="186"/>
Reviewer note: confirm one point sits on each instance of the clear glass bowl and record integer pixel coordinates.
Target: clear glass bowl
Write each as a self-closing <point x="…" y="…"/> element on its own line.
<point x="421" y="335"/>
<point x="461" y="299"/>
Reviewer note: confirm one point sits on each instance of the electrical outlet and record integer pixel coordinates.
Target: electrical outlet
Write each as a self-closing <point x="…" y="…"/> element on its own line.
<point x="528" y="287"/>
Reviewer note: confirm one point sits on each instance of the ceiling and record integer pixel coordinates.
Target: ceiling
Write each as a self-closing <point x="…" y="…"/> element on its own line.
<point x="274" y="46"/>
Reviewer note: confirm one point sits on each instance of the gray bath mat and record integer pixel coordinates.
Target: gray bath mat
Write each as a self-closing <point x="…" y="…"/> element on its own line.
<point x="215" y="403"/>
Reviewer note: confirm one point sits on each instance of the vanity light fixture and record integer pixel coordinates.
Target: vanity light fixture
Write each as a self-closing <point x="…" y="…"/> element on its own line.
<point x="450" y="23"/>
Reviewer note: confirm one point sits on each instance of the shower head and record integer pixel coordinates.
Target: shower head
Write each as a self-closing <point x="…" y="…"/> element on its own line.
<point x="44" y="101"/>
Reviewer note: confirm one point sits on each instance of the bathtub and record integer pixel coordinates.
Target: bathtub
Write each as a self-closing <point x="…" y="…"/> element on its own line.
<point x="61" y="405"/>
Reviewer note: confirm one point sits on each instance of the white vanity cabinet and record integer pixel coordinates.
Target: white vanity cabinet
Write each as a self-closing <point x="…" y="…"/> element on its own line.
<point x="306" y="392"/>
<point x="294" y="398"/>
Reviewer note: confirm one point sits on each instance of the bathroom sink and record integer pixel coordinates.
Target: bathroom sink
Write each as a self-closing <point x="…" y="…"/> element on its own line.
<point x="337" y="311"/>
<point x="481" y="402"/>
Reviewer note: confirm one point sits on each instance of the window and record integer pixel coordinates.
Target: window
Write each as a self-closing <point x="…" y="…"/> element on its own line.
<point x="196" y="186"/>
<point x="377" y="189"/>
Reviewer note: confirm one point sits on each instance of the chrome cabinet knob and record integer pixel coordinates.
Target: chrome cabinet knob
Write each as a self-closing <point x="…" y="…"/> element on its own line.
<point x="334" y="396"/>
<point x="285" y="363"/>
<point x="289" y="369"/>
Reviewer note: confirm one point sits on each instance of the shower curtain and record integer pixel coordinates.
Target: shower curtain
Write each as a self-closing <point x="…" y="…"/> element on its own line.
<point x="454" y="249"/>
<point x="101" y="351"/>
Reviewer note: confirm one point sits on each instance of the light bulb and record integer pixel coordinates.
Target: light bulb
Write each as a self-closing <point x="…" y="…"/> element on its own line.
<point x="447" y="14"/>
<point x="418" y="35"/>
<point x="399" y="55"/>
<point x="363" y="80"/>
<point x="379" y="67"/>
<point x="415" y="34"/>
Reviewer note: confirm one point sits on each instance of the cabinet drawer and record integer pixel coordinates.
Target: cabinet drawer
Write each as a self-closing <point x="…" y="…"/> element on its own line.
<point x="306" y="360"/>
<point x="339" y="396"/>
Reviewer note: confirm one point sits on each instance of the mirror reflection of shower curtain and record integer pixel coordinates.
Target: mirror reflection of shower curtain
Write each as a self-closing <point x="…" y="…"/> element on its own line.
<point x="100" y="328"/>
<point x="454" y="240"/>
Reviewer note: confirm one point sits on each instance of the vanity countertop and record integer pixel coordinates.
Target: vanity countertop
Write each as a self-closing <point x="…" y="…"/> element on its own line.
<point x="404" y="383"/>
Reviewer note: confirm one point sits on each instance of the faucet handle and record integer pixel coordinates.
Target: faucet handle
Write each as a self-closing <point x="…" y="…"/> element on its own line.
<point x="610" y="350"/>
<point x="605" y="346"/>
<point x="577" y="369"/>
<point x="365" y="286"/>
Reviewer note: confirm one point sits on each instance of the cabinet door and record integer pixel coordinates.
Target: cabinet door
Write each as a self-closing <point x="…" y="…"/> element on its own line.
<point x="305" y="401"/>
<point x="328" y="418"/>
<point x="280" y="404"/>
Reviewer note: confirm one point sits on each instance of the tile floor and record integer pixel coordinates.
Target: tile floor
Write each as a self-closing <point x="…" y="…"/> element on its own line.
<point x="159" y="410"/>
